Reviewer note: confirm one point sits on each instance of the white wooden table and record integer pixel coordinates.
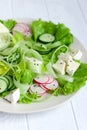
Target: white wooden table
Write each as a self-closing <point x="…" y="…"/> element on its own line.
<point x="73" y="115"/>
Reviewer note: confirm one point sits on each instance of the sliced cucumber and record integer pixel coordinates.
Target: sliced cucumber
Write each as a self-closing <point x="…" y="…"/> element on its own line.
<point x="5" y="79"/>
<point x="3" y="85"/>
<point x="46" y="38"/>
<point x="10" y="86"/>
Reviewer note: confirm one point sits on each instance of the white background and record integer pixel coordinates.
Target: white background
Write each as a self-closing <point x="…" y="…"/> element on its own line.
<point x="73" y="115"/>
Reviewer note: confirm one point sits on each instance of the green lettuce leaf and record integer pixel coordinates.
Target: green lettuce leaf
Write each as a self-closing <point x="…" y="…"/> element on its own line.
<point x="17" y="37"/>
<point x="61" y="31"/>
<point x="23" y="74"/>
<point x="67" y="40"/>
<point x="38" y="28"/>
<point x="63" y="34"/>
<point x="9" y="23"/>
<point x="27" y="98"/>
<point x="81" y="72"/>
<point x="50" y="27"/>
<point x="79" y="81"/>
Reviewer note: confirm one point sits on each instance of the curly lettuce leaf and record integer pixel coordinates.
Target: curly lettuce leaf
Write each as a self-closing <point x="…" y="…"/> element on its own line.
<point x="79" y="81"/>
<point x="61" y="31"/>
<point x="67" y="40"/>
<point x="63" y="34"/>
<point x="81" y="72"/>
<point x="9" y="23"/>
<point x="27" y="98"/>
<point x="38" y="28"/>
<point x="50" y="27"/>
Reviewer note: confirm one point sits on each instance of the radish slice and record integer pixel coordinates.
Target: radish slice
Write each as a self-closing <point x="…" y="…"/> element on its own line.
<point x="42" y="79"/>
<point x="50" y="80"/>
<point x="42" y="86"/>
<point x="37" y="89"/>
<point x="23" y="28"/>
<point x="51" y="86"/>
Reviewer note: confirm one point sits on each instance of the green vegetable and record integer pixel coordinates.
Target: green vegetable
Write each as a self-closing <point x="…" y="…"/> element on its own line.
<point x="79" y="81"/>
<point x="18" y="37"/>
<point x="3" y="84"/>
<point x="33" y="53"/>
<point x="4" y="94"/>
<point x="46" y="38"/>
<point x="4" y="68"/>
<point x="14" y="57"/>
<point x="23" y="74"/>
<point x="67" y="40"/>
<point x="27" y="98"/>
<point x="59" y="50"/>
<point x="38" y="28"/>
<point x="63" y="34"/>
<point x="74" y="86"/>
<point x="61" y="31"/>
<point x="50" y="27"/>
<point x="4" y="41"/>
<point x="9" y="23"/>
<point x="81" y="72"/>
<point x="50" y="70"/>
<point x="23" y="87"/>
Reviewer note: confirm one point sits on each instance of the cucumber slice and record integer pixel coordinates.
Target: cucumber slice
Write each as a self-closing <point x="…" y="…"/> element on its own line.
<point x="5" y="79"/>
<point x="46" y="38"/>
<point x="10" y="86"/>
<point x="3" y="85"/>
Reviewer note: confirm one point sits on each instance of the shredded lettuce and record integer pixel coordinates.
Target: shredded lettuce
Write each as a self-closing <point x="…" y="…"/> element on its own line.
<point x="4" y="68"/>
<point x="23" y="74"/>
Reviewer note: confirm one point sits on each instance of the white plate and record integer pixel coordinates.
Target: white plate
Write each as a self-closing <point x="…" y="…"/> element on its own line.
<point x="47" y="104"/>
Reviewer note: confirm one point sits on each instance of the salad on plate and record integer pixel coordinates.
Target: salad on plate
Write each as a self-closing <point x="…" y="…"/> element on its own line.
<point x="37" y="61"/>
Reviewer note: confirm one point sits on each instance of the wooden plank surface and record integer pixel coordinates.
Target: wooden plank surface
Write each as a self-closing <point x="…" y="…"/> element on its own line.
<point x="13" y="122"/>
<point x="83" y="8"/>
<point x="57" y="119"/>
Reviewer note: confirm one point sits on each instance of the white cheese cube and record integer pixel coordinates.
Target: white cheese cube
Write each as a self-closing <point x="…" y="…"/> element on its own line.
<point x="3" y="29"/>
<point x="14" y="96"/>
<point x="34" y="64"/>
<point x="76" y="54"/>
<point x="60" y="66"/>
<point x="65" y="57"/>
<point x="71" y="67"/>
